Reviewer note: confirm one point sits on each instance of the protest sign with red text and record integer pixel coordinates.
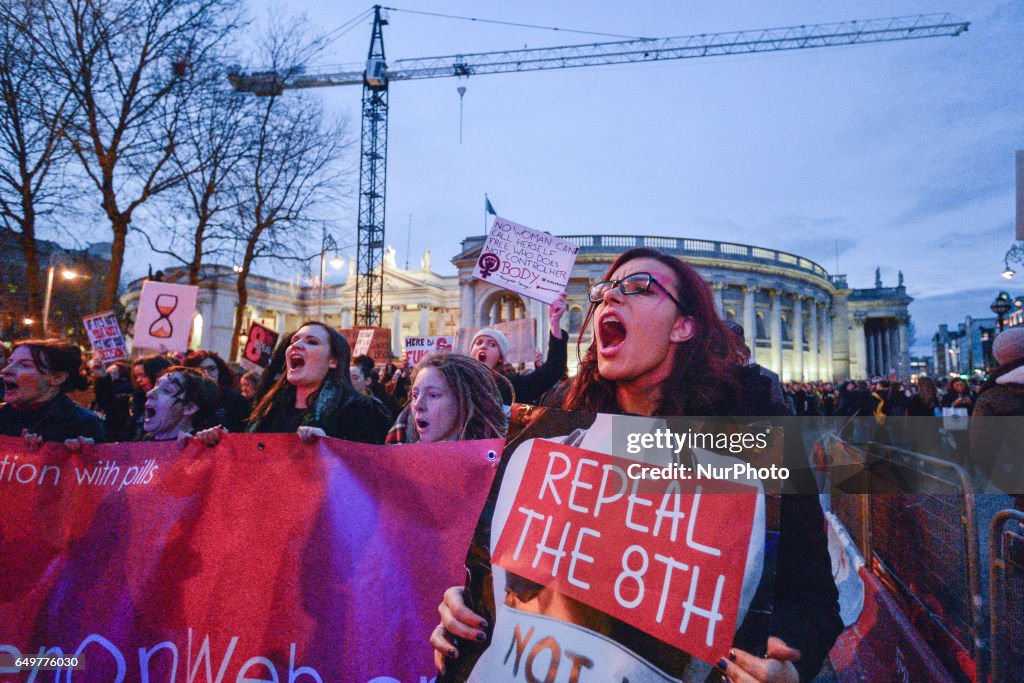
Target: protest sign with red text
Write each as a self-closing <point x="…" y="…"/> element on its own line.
<point x="667" y="557"/>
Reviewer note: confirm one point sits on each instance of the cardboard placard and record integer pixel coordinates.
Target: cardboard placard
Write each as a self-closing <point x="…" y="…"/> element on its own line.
<point x="525" y="261"/>
<point x="105" y="336"/>
<point x="259" y="347"/>
<point x="417" y="347"/>
<point x="521" y="339"/>
<point x="164" y="317"/>
<point x="379" y="346"/>
<point x="363" y="342"/>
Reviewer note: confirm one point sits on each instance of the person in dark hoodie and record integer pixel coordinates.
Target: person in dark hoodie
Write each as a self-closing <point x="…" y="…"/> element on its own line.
<point x="996" y="443"/>
<point x="36" y="379"/>
<point x="491" y="347"/>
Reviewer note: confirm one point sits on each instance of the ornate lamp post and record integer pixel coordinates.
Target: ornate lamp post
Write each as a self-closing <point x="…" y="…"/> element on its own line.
<point x="1001" y="306"/>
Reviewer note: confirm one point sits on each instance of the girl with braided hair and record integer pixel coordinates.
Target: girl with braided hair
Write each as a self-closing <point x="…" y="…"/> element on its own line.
<point x="453" y="398"/>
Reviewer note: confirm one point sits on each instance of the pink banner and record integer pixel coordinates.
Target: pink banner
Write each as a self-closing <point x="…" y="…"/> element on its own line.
<point x="260" y="559"/>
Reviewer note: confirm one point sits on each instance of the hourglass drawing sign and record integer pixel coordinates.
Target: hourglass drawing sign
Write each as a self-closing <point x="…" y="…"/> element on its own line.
<point x="162" y="327"/>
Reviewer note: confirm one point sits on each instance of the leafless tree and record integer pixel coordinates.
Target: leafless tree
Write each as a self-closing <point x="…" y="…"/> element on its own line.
<point x="31" y="124"/>
<point x="292" y="169"/>
<point x="211" y="146"/>
<point x="131" y="67"/>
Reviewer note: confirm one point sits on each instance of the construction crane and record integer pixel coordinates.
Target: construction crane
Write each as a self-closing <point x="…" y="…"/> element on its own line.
<point x="378" y="75"/>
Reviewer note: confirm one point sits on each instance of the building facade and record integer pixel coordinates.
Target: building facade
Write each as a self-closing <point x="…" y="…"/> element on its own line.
<point x="799" y="320"/>
<point x="416" y="302"/>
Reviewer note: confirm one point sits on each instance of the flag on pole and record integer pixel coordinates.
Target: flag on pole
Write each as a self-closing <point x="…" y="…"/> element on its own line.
<point x="488" y="207"/>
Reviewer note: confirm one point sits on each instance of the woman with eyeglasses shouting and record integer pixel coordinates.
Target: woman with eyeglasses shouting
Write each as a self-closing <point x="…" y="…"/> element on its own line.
<point x="659" y="349"/>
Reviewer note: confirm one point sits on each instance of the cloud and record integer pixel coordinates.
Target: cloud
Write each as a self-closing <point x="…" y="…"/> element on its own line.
<point x="951" y="309"/>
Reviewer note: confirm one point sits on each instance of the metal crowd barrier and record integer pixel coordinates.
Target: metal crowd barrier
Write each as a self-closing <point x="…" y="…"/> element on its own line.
<point x="1006" y="547"/>
<point x="913" y="518"/>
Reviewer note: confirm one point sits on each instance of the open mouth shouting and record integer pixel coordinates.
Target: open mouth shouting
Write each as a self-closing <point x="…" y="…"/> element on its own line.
<point x="611" y="334"/>
<point x="296" y="361"/>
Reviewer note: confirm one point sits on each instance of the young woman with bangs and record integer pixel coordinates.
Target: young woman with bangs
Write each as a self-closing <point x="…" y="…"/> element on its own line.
<point x="659" y="349"/>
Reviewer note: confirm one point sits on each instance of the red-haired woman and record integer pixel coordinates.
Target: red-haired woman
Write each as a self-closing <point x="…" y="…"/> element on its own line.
<point x="660" y="349"/>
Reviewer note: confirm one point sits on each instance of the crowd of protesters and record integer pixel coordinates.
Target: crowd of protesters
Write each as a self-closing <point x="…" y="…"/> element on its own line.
<point x="657" y="349"/>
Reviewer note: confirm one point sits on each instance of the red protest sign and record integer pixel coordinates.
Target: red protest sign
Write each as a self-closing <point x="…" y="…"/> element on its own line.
<point x="668" y="559"/>
<point x="105" y="336"/>
<point x="417" y="347"/>
<point x="260" y="345"/>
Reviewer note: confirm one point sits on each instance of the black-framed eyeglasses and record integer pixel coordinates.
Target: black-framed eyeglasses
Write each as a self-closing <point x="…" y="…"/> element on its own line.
<point x="636" y="283"/>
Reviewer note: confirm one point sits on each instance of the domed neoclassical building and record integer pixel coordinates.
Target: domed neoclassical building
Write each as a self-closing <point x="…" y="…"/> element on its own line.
<point x="799" y="320"/>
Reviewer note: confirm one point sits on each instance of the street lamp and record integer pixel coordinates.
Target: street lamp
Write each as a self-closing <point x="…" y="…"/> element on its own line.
<point x="66" y="274"/>
<point x="1001" y="306"/>
<point x="1015" y="253"/>
<point x="326" y="243"/>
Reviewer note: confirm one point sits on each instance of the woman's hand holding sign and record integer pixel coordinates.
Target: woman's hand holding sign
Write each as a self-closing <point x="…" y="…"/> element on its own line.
<point x="555" y="311"/>
<point x="775" y="667"/>
<point x="457" y="620"/>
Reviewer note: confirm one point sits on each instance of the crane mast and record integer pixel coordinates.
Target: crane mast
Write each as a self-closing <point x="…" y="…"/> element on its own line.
<point x="377" y="75"/>
<point x="373" y="161"/>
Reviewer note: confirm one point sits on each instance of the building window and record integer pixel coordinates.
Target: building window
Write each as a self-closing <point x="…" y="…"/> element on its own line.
<point x="762" y="332"/>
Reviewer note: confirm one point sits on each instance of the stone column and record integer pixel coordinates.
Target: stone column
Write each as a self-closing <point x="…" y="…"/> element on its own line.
<point x="828" y="364"/>
<point x="346" y="318"/>
<point x="396" y="331"/>
<point x="894" y="349"/>
<point x="467" y="302"/>
<point x="542" y="330"/>
<point x="904" y="366"/>
<point x="750" y="321"/>
<point x="280" y="321"/>
<point x="798" y="338"/>
<point x="871" y="343"/>
<point x="775" y="334"/>
<point x="883" y="337"/>
<point x="424" y="320"/>
<point x="859" y="342"/>
<point x="813" y="358"/>
<point x="717" y="288"/>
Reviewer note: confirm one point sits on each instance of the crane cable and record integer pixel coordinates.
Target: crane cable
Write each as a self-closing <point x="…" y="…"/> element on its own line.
<point x="332" y="36"/>
<point x="513" y="23"/>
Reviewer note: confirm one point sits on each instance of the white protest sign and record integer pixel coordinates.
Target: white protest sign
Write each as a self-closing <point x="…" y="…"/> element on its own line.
<point x="417" y="347"/>
<point x="363" y="342"/>
<point x="164" y="318"/>
<point x="523" y="260"/>
<point x="105" y="336"/>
